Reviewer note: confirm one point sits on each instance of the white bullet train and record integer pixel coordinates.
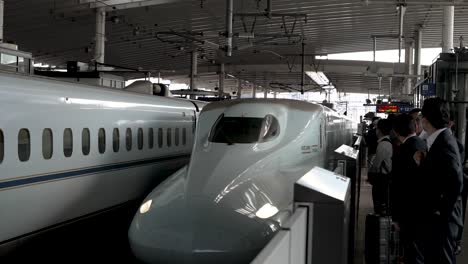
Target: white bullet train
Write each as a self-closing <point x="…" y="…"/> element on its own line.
<point x="238" y="188"/>
<point x="69" y="150"/>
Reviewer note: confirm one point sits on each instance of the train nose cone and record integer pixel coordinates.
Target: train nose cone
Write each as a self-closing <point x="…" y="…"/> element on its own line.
<point x="189" y="236"/>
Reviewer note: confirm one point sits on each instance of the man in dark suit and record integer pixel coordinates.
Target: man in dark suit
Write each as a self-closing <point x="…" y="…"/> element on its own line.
<point x="440" y="185"/>
<point x="405" y="181"/>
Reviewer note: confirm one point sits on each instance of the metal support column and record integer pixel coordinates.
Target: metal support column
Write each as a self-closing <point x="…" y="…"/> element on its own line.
<point x="274" y="95"/>
<point x="447" y="29"/>
<point x="193" y="73"/>
<point x="401" y="13"/>
<point x="461" y="109"/>
<point x="229" y="19"/>
<point x="417" y="52"/>
<point x="100" y="34"/>
<point x="2" y="6"/>
<point x="303" y="68"/>
<point x="254" y="91"/>
<point x="265" y="93"/>
<point x="375" y="46"/>
<point x="409" y="67"/>
<point x="239" y="88"/>
<point x="390" y="79"/>
<point x="221" y="80"/>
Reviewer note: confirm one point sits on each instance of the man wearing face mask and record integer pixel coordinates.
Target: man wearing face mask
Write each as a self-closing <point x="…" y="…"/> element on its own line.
<point x="441" y="185"/>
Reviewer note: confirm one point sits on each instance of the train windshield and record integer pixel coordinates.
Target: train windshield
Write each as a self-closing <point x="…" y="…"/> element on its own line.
<point x="244" y="130"/>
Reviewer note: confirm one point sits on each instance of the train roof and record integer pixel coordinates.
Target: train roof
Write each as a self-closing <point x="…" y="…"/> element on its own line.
<point x="288" y="103"/>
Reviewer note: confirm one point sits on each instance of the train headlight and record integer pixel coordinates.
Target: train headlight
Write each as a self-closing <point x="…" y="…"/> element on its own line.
<point x="266" y="211"/>
<point x="145" y="207"/>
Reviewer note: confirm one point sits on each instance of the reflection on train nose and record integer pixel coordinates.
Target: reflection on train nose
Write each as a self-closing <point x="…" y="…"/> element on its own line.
<point x="182" y="233"/>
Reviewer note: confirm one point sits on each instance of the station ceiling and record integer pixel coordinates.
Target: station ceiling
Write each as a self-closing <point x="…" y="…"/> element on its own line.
<point x="146" y="34"/>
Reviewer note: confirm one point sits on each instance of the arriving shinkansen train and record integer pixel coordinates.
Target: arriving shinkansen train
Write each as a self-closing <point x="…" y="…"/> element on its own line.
<point x="237" y="191"/>
<point x="69" y="150"/>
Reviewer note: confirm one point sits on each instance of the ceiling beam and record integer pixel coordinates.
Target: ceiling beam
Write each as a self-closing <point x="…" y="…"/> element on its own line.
<point x="110" y="5"/>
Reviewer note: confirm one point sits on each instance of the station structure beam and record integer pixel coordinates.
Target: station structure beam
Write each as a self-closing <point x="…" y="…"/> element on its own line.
<point x="112" y="5"/>
<point x="447" y="29"/>
<point x="99" y="54"/>
<point x="193" y="73"/>
<point x="2" y="6"/>
<point x="254" y="91"/>
<point x="417" y="51"/>
<point x="239" y="88"/>
<point x="221" y="80"/>
<point x="409" y="67"/>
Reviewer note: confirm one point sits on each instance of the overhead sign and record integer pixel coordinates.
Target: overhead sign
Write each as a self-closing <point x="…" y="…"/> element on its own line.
<point x="387" y="108"/>
<point x="405" y="108"/>
<point x="428" y="89"/>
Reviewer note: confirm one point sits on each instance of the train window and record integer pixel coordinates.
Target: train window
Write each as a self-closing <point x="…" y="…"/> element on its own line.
<point x="102" y="140"/>
<point x="116" y="140"/>
<point x="47" y="143"/>
<point x="321" y="135"/>
<point x="169" y="137"/>
<point x="85" y="141"/>
<point x="244" y="130"/>
<point x="2" y="146"/>
<point x="128" y="139"/>
<point x="184" y="136"/>
<point x="67" y="142"/>
<point x="150" y="138"/>
<point x="160" y="137"/>
<point x="140" y="138"/>
<point x="176" y="132"/>
<point x="24" y="145"/>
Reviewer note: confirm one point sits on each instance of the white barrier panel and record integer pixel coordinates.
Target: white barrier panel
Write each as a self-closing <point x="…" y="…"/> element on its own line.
<point x="288" y="246"/>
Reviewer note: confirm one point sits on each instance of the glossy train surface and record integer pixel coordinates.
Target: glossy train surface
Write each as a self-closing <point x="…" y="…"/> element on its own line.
<point x="69" y="150"/>
<point x="238" y="188"/>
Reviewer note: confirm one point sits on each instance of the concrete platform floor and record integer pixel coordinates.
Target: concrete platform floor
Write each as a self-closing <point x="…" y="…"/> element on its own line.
<point x="365" y="207"/>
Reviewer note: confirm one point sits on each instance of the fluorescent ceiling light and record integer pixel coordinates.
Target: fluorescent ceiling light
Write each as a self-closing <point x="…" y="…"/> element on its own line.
<point x="320" y="78"/>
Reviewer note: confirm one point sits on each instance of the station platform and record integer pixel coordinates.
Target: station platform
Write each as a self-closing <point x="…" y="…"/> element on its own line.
<point x="104" y="239"/>
<point x="365" y="207"/>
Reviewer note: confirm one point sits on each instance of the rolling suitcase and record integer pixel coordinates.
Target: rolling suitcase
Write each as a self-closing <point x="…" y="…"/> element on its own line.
<point x="381" y="240"/>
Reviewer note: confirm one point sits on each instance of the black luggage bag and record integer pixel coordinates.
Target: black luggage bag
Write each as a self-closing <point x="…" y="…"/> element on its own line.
<point x="381" y="240"/>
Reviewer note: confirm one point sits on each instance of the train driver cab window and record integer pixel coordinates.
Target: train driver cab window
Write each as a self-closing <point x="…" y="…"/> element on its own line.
<point x="47" y="143"/>
<point x="244" y="130"/>
<point x="2" y="146"/>
<point x="85" y="141"/>
<point x="24" y="145"/>
<point x="102" y="140"/>
<point x="128" y="139"/>
<point x="269" y="129"/>
<point x="67" y="142"/>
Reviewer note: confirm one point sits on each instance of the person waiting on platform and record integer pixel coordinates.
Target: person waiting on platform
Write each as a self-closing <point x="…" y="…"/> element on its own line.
<point x="440" y="185"/>
<point x="416" y="115"/>
<point x="380" y="167"/>
<point x="404" y="186"/>
<point x="371" y="139"/>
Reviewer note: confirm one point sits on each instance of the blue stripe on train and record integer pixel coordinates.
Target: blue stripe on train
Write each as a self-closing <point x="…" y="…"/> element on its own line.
<point x="75" y="173"/>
